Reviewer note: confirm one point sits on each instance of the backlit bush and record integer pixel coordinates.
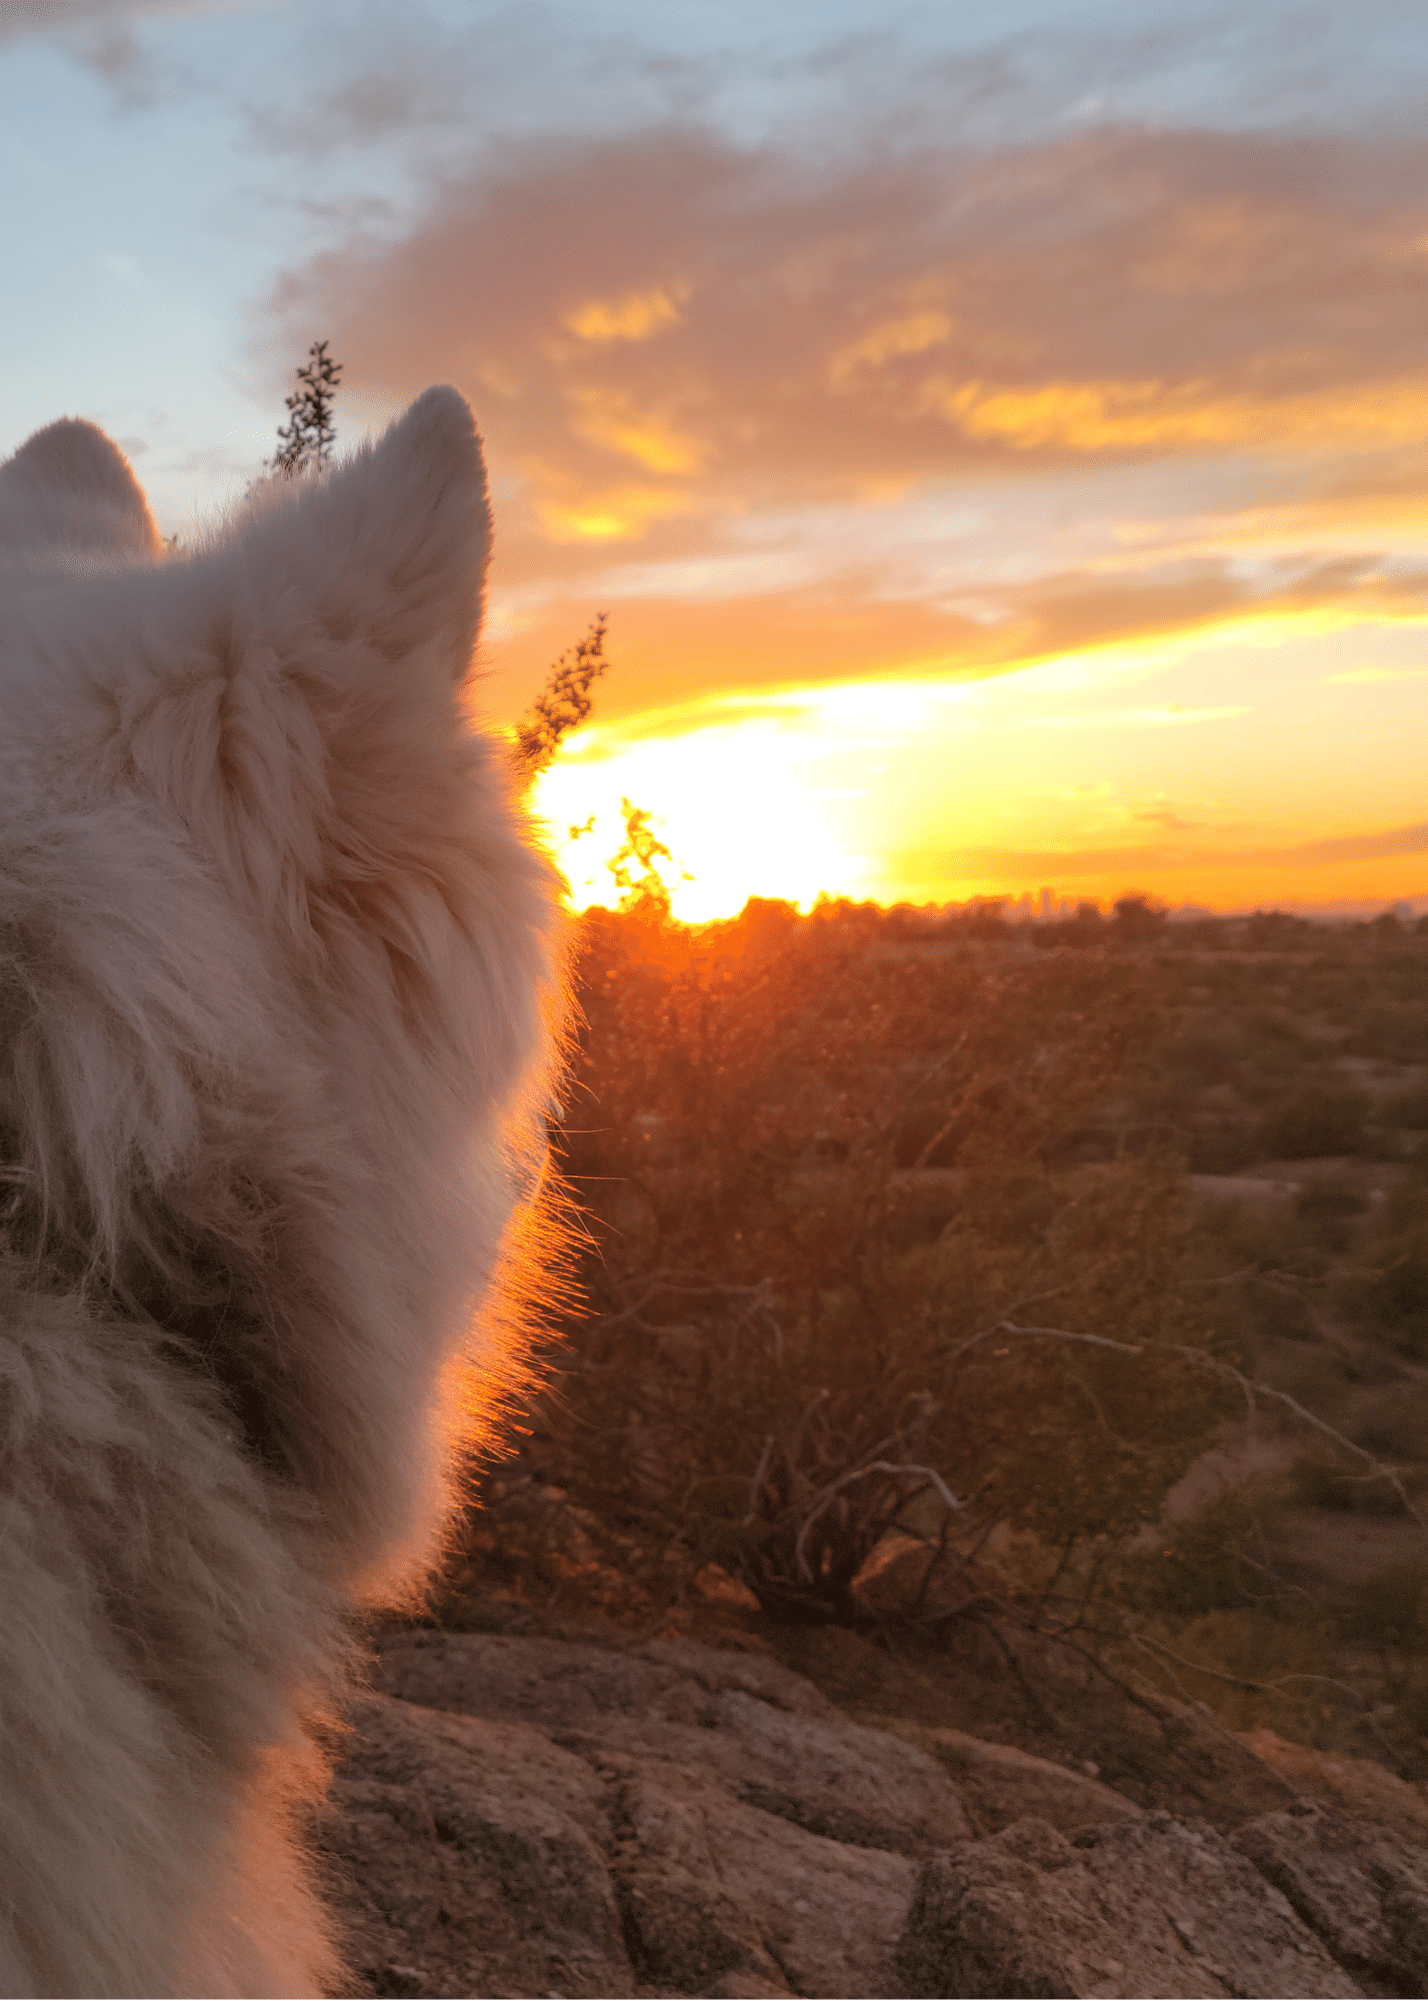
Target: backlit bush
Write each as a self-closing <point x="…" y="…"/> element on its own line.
<point x="832" y="1201"/>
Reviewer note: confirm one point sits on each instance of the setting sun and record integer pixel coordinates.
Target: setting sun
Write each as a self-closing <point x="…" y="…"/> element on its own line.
<point x="994" y="490"/>
<point x="1157" y="769"/>
<point x="715" y="845"/>
<point x="738" y="804"/>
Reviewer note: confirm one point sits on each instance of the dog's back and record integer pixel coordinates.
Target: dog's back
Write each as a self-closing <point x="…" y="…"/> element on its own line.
<point x="275" y="1006"/>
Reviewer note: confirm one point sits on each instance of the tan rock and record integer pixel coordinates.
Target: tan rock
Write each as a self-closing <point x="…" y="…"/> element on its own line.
<point x="1362" y="1891"/>
<point x="766" y="1734"/>
<point x="1162" y="1754"/>
<point x="717" y="1893"/>
<point x="1132" y="1908"/>
<point x="999" y="1784"/>
<point x="474" y="1856"/>
<point x="470" y="1858"/>
<point x="579" y="1818"/>
<point x="1351" y="1785"/>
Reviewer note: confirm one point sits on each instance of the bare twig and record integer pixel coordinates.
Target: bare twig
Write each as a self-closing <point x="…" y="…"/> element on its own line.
<point x="1252" y="1391"/>
<point x="889" y="1470"/>
<point x="756" y="1487"/>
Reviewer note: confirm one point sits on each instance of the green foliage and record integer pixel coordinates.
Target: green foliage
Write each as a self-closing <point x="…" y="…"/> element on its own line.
<point x="1393" y="1025"/>
<point x="888" y="1270"/>
<point x="645" y="895"/>
<point x="1320" y="1480"/>
<point x="309" y="434"/>
<point x="1389" y="1613"/>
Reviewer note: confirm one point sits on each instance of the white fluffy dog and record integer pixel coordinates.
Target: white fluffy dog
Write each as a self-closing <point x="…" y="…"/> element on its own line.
<point x="277" y="980"/>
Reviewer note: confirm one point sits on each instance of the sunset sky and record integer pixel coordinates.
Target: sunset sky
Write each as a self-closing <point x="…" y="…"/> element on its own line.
<point x="998" y="433"/>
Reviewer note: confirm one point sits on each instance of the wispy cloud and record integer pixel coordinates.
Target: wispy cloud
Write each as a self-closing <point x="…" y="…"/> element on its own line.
<point x="1371" y="676"/>
<point x="1017" y="422"/>
<point x="1025" y="864"/>
<point x="673" y="337"/>
<point x="100" y="30"/>
<point x="810" y="329"/>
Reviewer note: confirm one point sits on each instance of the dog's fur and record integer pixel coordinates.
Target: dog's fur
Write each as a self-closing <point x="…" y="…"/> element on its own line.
<point x="276" y="999"/>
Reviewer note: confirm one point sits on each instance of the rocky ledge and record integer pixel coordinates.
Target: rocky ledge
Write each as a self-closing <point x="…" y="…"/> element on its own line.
<point x="554" y="1817"/>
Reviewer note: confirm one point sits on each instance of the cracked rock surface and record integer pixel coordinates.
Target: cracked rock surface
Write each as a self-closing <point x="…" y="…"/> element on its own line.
<point x="472" y="1857"/>
<point x="539" y="1816"/>
<point x="1134" y="1908"/>
<point x="1362" y="1892"/>
<point x="764" y="1733"/>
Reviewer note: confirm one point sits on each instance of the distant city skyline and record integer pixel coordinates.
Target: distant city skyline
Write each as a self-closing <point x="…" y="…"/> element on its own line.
<point x="998" y="435"/>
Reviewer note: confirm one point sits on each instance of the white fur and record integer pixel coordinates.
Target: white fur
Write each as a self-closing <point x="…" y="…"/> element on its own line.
<point x="276" y="1001"/>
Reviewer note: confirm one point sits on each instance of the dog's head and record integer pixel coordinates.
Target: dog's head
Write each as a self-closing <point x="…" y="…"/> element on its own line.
<point x="275" y="949"/>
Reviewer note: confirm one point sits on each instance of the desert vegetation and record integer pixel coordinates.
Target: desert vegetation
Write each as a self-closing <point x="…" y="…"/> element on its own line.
<point x="1033" y="1300"/>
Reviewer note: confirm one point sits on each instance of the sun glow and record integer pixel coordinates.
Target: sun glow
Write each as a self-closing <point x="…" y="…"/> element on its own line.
<point x="764" y="792"/>
<point x="1154" y="768"/>
<point x="738" y="804"/>
<point x="611" y="418"/>
<point x="618" y="514"/>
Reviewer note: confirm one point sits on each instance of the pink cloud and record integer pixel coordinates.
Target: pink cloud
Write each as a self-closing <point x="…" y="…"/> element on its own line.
<point x="666" y="334"/>
<point x="666" y="320"/>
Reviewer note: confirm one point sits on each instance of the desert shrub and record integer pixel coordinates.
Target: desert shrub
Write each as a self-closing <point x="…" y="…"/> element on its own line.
<point x="1389" y="1610"/>
<point x="1342" y="1487"/>
<point x="1220" y="1144"/>
<point x="1233" y="1234"/>
<point x="1280" y="1306"/>
<point x="1389" y="1614"/>
<point x="1268" y="1260"/>
<point x="1393" y="1031"/>
<point x="1327" y="1210"/>
<point x="831" y="1206"/>
<point x="1277" y="930"/>
<point x="1137" y="920"/>
<point x="1274" y="1042"/>
<point x="1391" y="1290"/>
<point x="1407" y="1108"/>
<point x="1251" y="1667"/>
<point x="1220" y="1559"/>
<point x="1395" y="1424"/>
<point x="1315" y="1373"/>
<point x="1319" y="1121"/>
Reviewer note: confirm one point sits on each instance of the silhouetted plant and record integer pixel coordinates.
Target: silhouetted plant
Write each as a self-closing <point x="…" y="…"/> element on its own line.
<point x="309" y="434"/>
<point x="646" y="894"/>
<point x="564" y="702"/>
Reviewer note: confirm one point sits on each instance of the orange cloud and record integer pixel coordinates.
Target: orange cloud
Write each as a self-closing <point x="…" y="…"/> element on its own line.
<point x="795" y="329"/>
<point x="829" y="632"/>
<point x="1141" y="385"/>
<point x="634" y="317"/>
<point x="1058" y="864"/>
<point x="611" y="417"/>
<point x="1112" y="416"/>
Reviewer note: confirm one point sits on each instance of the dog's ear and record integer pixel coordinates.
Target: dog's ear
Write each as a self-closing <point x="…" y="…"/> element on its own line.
<point x="292" y="689"/>
<point x="69" y="487"/>
<point x="388" y="552"/>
